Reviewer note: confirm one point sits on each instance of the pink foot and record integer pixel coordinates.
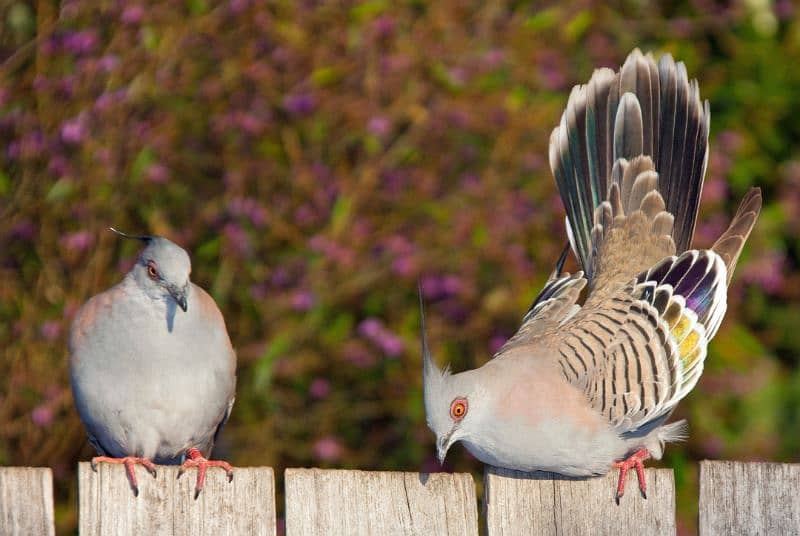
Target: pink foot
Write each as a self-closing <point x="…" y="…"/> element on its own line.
<point x="196" y="459"/>
<point x="128" y="462"/>
<point x="635" y="461"/>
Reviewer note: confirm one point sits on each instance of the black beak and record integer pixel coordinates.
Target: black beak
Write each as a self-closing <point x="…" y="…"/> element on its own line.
<point x="180" y="297"/>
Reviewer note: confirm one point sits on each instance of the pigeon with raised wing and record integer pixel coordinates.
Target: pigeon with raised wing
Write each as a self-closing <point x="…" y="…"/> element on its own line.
<point x="604" y="355"/>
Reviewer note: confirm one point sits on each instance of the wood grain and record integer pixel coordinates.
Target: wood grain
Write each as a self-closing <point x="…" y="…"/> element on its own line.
<point x="749" y="498"/>
<point x="518" y="503"/>
<point x="166" y="504"/>
<point x="365" y="503"/>
<point x="26" y="501"/>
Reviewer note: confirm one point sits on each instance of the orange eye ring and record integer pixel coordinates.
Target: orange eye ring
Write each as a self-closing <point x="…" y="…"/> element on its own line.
<point x="459" y="408"/>
<point x="152" y="271"/>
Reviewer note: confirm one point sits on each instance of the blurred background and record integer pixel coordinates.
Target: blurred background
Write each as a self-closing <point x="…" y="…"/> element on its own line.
<point x="319" y="159"/>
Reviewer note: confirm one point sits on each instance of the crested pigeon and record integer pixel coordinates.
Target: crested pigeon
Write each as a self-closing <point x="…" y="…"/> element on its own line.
<point x="153" y="370"/>
<point x="604" y="355"/>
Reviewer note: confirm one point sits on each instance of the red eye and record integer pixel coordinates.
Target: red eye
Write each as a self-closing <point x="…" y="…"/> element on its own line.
<point x="458" y="409"/>
<point x="152" y="270"/>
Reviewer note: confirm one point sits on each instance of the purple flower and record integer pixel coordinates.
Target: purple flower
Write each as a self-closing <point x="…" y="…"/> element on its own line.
<point x="73" y="131"/>
<point x="236" y="237"/>
<point x="440" y="287"/>
<point x="305" y="215"/>
<point x="41" y="83"/>
<point x="50" y="330"/>
<point x="32" y="144"/>
<point x="81" y="42"/>
<point x="301" y="104"/>
<point x="249" y="122"/>
<point x="379" y="125"/>
<point x="391" y="344"/>
<point x="24" y="230"/>
<point x="374" y="330"/>
<point x="715" y="189"/>
<point x="767" y="271"/>
<point x="729" y="141"/>
<point x="493" y="58"/>
<point x="458" y="76"/>
<point x="13" y="150"/>
<point x="79" y="241"/>
<point x="431" y="287"/>
<point x="42" y="415"/>
<point x="237" y="6"/>
<point x="320" y="388"/>
<point x="383" y="27"/>
<point x="355" y="353"/>
<point x="395" y="63"/>
<point x="551" y="70"/>
<point x="132" y="15"/>
<point x="370" y="328"/>
<point x="281" y="277"/>
<point x="405" y="266"/>
<point x="302" y="300"/>
<point x="451" y="284"/>
<point x="258" y="291"/>
<point x="328" y="449"/>
<point x="784" y="9"/>
<point x="109" y="99"/>
<point x="59" y="166"/>
<point x="248" y="208"/>
<point x="157" y="173"/>
<point x="109" y="62"/>
<point x="332" y="250"/>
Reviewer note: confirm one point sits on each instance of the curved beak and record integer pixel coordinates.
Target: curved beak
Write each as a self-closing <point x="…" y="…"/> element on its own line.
<point x="443" y="445"/>
<point x="180" y="297"/>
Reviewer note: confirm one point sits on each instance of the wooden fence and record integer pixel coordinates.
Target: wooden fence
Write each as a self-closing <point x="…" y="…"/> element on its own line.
<point x="735" y="498"/>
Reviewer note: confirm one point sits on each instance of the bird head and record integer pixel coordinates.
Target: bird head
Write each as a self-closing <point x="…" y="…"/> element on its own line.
<point x="162" y="269"/>
<point x="452" y="401"/>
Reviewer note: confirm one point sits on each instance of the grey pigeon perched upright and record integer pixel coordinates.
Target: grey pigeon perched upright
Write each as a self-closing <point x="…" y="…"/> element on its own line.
<point x="153" y="370"/>
<point x="604" y="355"/>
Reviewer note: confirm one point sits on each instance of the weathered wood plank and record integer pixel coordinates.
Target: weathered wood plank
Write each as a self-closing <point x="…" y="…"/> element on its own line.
<point x="26" y="501"/>
<point x="166" y="504"/>
<point x="518" y="503"/>
<point x="382" y="503"/>
<point x="749" y="498"/>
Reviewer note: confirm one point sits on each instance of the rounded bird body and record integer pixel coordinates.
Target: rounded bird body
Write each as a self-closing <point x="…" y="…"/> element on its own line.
<point x="604" y="355"/>
<point x="137" y="388"/>
<point x="152" y="367"/>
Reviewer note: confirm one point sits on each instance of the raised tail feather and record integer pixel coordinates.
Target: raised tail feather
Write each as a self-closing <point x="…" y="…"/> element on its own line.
<point x="730" y="244"/>
<point x="646" y="109"/>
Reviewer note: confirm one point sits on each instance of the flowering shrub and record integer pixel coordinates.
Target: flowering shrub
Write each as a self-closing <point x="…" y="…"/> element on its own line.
<point x="319" y="161"/>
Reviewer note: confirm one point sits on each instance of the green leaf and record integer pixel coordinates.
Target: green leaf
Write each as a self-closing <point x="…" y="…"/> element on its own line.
<point x="59" y="191"/>
<point x="543" y="20"/>
<point x="5" y="183"/>
<point x="340" y="215"/>
<point x="326" y="76"/>
<point x="576" y="28"/>
<point x="141" y="163"/>
<point x="278" y="347"/>
<point x="368" y="10"/>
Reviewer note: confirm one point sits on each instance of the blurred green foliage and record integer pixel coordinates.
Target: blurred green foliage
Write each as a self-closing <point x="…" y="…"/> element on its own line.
<point x="318" y="159"/>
